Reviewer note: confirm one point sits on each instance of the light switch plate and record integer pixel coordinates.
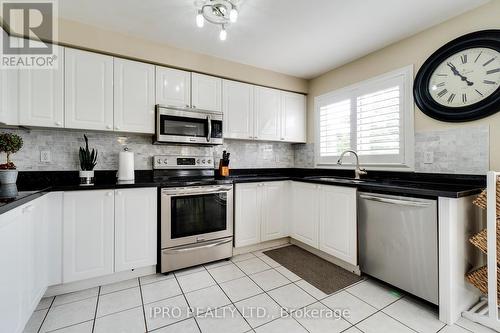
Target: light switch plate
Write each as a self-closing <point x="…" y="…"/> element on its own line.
<point x="428" y="157"/>
<point x="45" y="156"/>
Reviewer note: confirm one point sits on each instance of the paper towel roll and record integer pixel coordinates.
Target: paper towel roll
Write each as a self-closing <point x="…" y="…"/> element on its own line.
<point x="126" y="166"/>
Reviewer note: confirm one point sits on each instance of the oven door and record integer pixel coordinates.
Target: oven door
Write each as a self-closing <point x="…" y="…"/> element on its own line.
<point x="188" y="126"/>
<point x="191" y="215"/>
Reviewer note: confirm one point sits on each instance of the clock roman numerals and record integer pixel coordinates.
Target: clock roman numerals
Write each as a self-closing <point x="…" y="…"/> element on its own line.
<point x="463" y="57"/>
<point x="451" y="98"/>
<point x="464" y="98"/>
<point x="478" y="92"/>
<point x="489" y="62"/>
<point x="489" y="82"/>
<point x="442" y="92"/>
<point x="492" y="71"/>
<point x="478" y="56"/>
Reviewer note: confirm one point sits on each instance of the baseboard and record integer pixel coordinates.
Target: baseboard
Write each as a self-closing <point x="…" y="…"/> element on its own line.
<point x="98" y="281"/>
<point x="327" y="257"/>
<point x="261" y="246"/>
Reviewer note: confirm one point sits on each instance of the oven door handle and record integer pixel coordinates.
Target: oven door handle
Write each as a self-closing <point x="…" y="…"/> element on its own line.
<point x="174" y="192"/>
<point x="209" y="123"/>
<point x="198" y="246"/>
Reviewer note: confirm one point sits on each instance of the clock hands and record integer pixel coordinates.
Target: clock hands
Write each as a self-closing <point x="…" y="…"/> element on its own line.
<point x="457" y="73"/>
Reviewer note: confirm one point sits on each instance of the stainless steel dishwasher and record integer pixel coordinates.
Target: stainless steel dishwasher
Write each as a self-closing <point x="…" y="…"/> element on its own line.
<point x="398" y="242"/>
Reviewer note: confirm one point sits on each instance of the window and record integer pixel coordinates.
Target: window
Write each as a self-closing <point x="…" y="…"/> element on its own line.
<point x="374" y="118"/>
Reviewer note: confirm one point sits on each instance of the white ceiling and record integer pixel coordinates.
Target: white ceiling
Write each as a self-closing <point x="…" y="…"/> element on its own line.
<point x="304" y="38"/>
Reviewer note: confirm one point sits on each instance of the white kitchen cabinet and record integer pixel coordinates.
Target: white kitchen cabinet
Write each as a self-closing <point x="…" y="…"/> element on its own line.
<point x="206" y="92"/>
<point x="8" y="91"/>
<point x="135" y="228"/>
<point x="134" y="96"/>
<point x="173" y="87"/>
<point x="337" y="222"/>
<point x="247" y="214"/>
<point x="88" y="234"/>
<point x="54" y="215"/>
<point x="274" y="208"/>
<point x="267" y="114"/>
<point x="305" y="206"/>
<point x="88" y="90"/>
<point x="41" y="95"/>
<point x="238" y="109"/>
<point x="293" y="117"/>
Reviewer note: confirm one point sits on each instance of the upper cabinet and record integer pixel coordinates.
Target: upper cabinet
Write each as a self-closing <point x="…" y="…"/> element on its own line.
<point x="259" y="113"/>
<point x="206" y="92"/>
<point x="8" y="91"/>
<point x="293" y="117"/>
<point x="267" y="114"/>
<point x="134" y="96"/>
<point x="88" y="90"/>
<point x="173" y="87"/>
<point x="41" y="95"/>
<point x="238" y="106"/>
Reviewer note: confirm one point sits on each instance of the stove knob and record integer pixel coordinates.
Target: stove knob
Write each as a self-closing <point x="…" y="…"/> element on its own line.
<point x="165" y="161"/>
<point x="209" y="161"/>
<point x="158" y="161"/>
<point x="203" y="161"/>
<point x="198" y="161"/>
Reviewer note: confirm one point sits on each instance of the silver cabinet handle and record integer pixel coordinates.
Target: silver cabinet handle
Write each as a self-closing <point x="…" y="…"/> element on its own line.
<point x="394" y="201"/>
<point x="195" y="190"/>
<point x="58" y="123"/>
<point x="197" y="247"/>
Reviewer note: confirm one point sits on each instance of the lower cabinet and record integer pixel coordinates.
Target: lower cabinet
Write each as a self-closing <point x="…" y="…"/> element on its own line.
<point x="135" y="228"/>
<point x="305" y="223"/>
<point x="108" y="231"/>
<point x="88" y="234"/>
<point x="259" y="212"/>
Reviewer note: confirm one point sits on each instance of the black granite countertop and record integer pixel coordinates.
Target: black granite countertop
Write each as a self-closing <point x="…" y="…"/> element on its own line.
<point x="33" y="184"/>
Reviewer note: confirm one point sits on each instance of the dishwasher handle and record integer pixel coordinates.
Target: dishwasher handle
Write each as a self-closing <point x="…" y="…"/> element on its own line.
<point x="395" y="201"/>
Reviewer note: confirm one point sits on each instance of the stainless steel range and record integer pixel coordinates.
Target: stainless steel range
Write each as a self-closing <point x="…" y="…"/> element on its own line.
<point x="196" y="212"/>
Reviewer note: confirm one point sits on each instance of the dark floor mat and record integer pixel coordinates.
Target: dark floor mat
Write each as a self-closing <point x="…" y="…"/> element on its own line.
<point x="322" y="274"/>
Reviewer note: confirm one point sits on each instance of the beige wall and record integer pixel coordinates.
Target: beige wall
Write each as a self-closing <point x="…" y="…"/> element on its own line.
<point x="414" y="50"/>
<point x="88" y="37"/>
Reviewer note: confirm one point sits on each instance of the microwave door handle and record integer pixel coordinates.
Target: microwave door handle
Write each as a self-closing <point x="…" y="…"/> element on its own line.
<point x="209" y="123"/>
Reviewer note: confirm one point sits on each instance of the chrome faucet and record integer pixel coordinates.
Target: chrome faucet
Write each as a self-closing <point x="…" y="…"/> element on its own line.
<point x="358" y="172"/>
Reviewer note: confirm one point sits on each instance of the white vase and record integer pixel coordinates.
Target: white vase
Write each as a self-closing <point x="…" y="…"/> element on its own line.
<point x="86" y="177"/>
<point x="8" y="176"/>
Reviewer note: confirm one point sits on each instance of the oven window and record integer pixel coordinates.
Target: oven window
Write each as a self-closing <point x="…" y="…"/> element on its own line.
<point x="198" y="214"/>
<point x="182" y="126"/>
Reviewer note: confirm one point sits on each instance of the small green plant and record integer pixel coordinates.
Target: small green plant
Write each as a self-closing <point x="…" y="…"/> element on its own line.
<point x="88" y="159"/>
<point x="10" y="143"/>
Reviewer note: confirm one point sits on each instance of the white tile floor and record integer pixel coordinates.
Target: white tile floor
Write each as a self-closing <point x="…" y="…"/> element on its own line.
<point x="236" y="289"/>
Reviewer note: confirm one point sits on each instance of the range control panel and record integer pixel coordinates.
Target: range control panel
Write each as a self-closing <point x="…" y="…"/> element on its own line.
<point x="182" y="162"/>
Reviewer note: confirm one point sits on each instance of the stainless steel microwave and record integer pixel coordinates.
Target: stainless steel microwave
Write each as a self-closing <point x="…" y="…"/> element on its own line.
<point x="186" y="125"/>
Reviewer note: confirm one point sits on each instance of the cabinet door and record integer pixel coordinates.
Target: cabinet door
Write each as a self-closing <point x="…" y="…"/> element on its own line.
<point x="134" y="96"/>
<point x="247" y="214"/>
<point x="337" y="226"/>
<point x="238" y="109"/>
<point x="305" y="220"/>
<point x="54" y="216"/>
<point x="173" y="87"/>
<point x="9" y="90"/>
<point x="293" y="117"/>
<point x="274" y="224"/>
<point x="88" y="90"/>
<point x="206" y="92"/>
<point x="12" y="279"/>
<point x="135" y="228"/>
<point x="41" y="95"/>
<point x="267" y="114"/>
<point x="88" y="234"/>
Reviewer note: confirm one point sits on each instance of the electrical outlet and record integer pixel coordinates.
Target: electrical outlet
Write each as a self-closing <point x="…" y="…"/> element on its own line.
<point x="45" y="156"/>
<point x="428" y="157"/>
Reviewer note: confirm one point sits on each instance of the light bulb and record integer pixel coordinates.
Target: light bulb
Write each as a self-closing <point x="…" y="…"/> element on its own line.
<point x="233" y="15"/>
<point x="223" y="34"/>
<point x="200" y="20"/>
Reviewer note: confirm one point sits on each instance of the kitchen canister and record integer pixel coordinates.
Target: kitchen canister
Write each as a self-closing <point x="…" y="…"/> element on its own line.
<point x="125" y="165"/>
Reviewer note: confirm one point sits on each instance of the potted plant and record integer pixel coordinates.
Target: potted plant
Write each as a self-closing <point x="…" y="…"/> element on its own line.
<point x="10" y="143"/>
<point x="88" y="160"/>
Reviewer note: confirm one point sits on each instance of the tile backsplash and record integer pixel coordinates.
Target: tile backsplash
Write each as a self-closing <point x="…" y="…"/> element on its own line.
<point x="63" y="147"/>
<point x="463" y="150"/>
<point x="458" y="150"/>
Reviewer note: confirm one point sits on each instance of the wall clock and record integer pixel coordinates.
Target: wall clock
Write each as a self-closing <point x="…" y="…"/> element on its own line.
<point x="461" y="80"/>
